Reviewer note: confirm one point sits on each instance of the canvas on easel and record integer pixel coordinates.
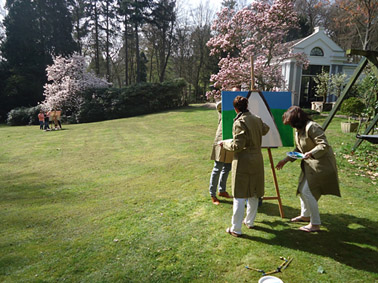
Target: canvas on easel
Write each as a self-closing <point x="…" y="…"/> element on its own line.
<point x="269" y="106"/>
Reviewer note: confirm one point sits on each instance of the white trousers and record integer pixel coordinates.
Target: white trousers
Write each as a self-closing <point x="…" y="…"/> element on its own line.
<point x="309" y="205"/>
<point x="238" y="213"/>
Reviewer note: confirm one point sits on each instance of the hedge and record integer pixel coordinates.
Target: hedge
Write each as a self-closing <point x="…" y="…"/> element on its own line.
<point x="23" y="116"/>
<point x="114" y="103"/>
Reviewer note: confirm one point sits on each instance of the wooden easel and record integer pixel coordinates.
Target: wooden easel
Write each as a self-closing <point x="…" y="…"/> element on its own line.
<point x="277" y="197"/>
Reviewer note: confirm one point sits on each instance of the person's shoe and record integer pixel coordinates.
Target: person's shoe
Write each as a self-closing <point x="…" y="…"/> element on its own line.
<point x="224" y="194"/>
<point x="310" y="228"/>
<point x="228" y="230"/>
<point x="215" y="200"/>
<point x="249" y="227"/>
<point x="300" y="219"/>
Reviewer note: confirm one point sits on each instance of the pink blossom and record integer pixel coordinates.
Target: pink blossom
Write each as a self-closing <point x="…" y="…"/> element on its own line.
<point x="257" y="31"/>
<point x="68" y="77"/>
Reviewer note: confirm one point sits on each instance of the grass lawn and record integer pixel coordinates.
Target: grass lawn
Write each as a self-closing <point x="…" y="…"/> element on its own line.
<point x="127" y="201"/>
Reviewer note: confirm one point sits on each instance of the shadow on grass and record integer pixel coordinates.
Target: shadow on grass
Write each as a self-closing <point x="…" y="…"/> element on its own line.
<point x="53" y="130"/>
<point x="184" y="109"/>
<point x="196" y="108"/>
<point x="346" y="238"/>
<point x="225" y="201"/>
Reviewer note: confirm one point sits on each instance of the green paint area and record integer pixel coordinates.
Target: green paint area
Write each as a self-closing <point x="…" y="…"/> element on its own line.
<point x="227" y="122"/>
<point x="286" y="132"/>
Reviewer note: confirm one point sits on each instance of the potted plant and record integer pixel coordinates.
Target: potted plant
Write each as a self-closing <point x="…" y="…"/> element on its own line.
<point x="322" y="81"/>
<point x="352" y="107"/>
<point x="327" y="84"/>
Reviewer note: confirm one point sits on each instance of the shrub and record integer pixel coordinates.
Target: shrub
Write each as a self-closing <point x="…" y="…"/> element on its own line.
<point x="367" y="91"/>
<point x="137" y="99"/>
<point x="112" y="103"/>
<point x="352" y="107"/>
<point x="23" y="116"/>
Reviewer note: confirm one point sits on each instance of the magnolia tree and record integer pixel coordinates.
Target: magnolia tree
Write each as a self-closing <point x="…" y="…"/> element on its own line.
<point x="68" y="78"/>
<point x="256" y="31"/>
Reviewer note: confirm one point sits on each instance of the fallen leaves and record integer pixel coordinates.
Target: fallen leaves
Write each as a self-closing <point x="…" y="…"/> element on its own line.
<point x="367" y="165"/>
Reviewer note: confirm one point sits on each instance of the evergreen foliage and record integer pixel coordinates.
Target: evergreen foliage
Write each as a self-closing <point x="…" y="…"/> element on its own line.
<point x="112" y="103"/>
<point x="35" y="31"/>
<point x="367" y="91"/>
<point x="23" y="116"/>
<point x="137" y="99"/>
<point x="352" y="106"/>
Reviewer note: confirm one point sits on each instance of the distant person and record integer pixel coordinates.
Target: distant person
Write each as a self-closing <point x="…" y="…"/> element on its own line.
<point x="319" y="172"/>
<point x="222" y="163"/>
<point x="55" y="119"/>
<point x="51" y="114"/>
<point x="58" y="114"/>
<point x="47" y="121"/>
<point x="247" y="165"/>
<point x="41" y="119"/>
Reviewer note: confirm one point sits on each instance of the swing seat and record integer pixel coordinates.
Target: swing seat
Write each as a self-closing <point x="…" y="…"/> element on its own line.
<point x="369" y="138"/>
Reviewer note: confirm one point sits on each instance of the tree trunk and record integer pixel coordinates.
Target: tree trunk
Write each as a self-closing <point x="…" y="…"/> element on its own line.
<point x="97" y="45"/>
<point x="137" y="54"/>
<point x="108" y="78"/>
<point x="78" y="30"/>
<point x="151" y="58"/>
<point x="126" y="53"/>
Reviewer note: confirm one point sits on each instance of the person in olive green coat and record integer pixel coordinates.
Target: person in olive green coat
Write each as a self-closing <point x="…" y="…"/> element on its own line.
<point x="319" y="172"/>
<point x="222" y="164"/>
<point x="247" y="165"/>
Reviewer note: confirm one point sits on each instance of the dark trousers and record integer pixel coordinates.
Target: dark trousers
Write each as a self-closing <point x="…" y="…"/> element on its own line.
<point x="47" y="124"/>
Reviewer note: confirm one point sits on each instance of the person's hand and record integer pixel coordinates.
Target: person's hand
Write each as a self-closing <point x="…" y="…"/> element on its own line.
<point x="281" y="164"/>
<point x="307" y="155"/>
<point x="220" y="143"/>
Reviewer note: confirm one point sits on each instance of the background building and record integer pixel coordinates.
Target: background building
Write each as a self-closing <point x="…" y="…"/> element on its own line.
<point x="323" y="53"/>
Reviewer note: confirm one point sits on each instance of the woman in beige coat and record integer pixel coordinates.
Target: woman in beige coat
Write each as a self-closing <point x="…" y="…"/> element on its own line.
<point x="222" y="164"/>
<point x="247" y="165"/>
<point x="319" y="171"/>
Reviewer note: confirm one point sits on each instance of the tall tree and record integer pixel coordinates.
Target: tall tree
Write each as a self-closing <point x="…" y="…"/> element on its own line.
<point x="314" y="11"/>
<point x="95" y="31"/>
<point x="140" y="14"/>
<point x="2" y="29"/>
<point x="356" y="21"/>
<point x="230" y="4"/>
<point x="80" y="19"/>
<point x="201" y="34"/>
<point x="124" y="11"/>
<point x="108" y="10"/>
<point x="56" y="26"/>
<point x="182" y="50"/>
<point x="35" y="31"/>
<point x="301" y="31"/>
<point x="163" y="19"/>
<point x="135" y="12"/>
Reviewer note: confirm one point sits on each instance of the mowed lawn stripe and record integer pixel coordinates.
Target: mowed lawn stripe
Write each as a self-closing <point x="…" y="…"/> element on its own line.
<point x="127" y="201"/>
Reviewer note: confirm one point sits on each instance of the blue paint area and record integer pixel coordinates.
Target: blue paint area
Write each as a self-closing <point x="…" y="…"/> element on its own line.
<point x="228" y="99"/>
<point x="278" y="100"/>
